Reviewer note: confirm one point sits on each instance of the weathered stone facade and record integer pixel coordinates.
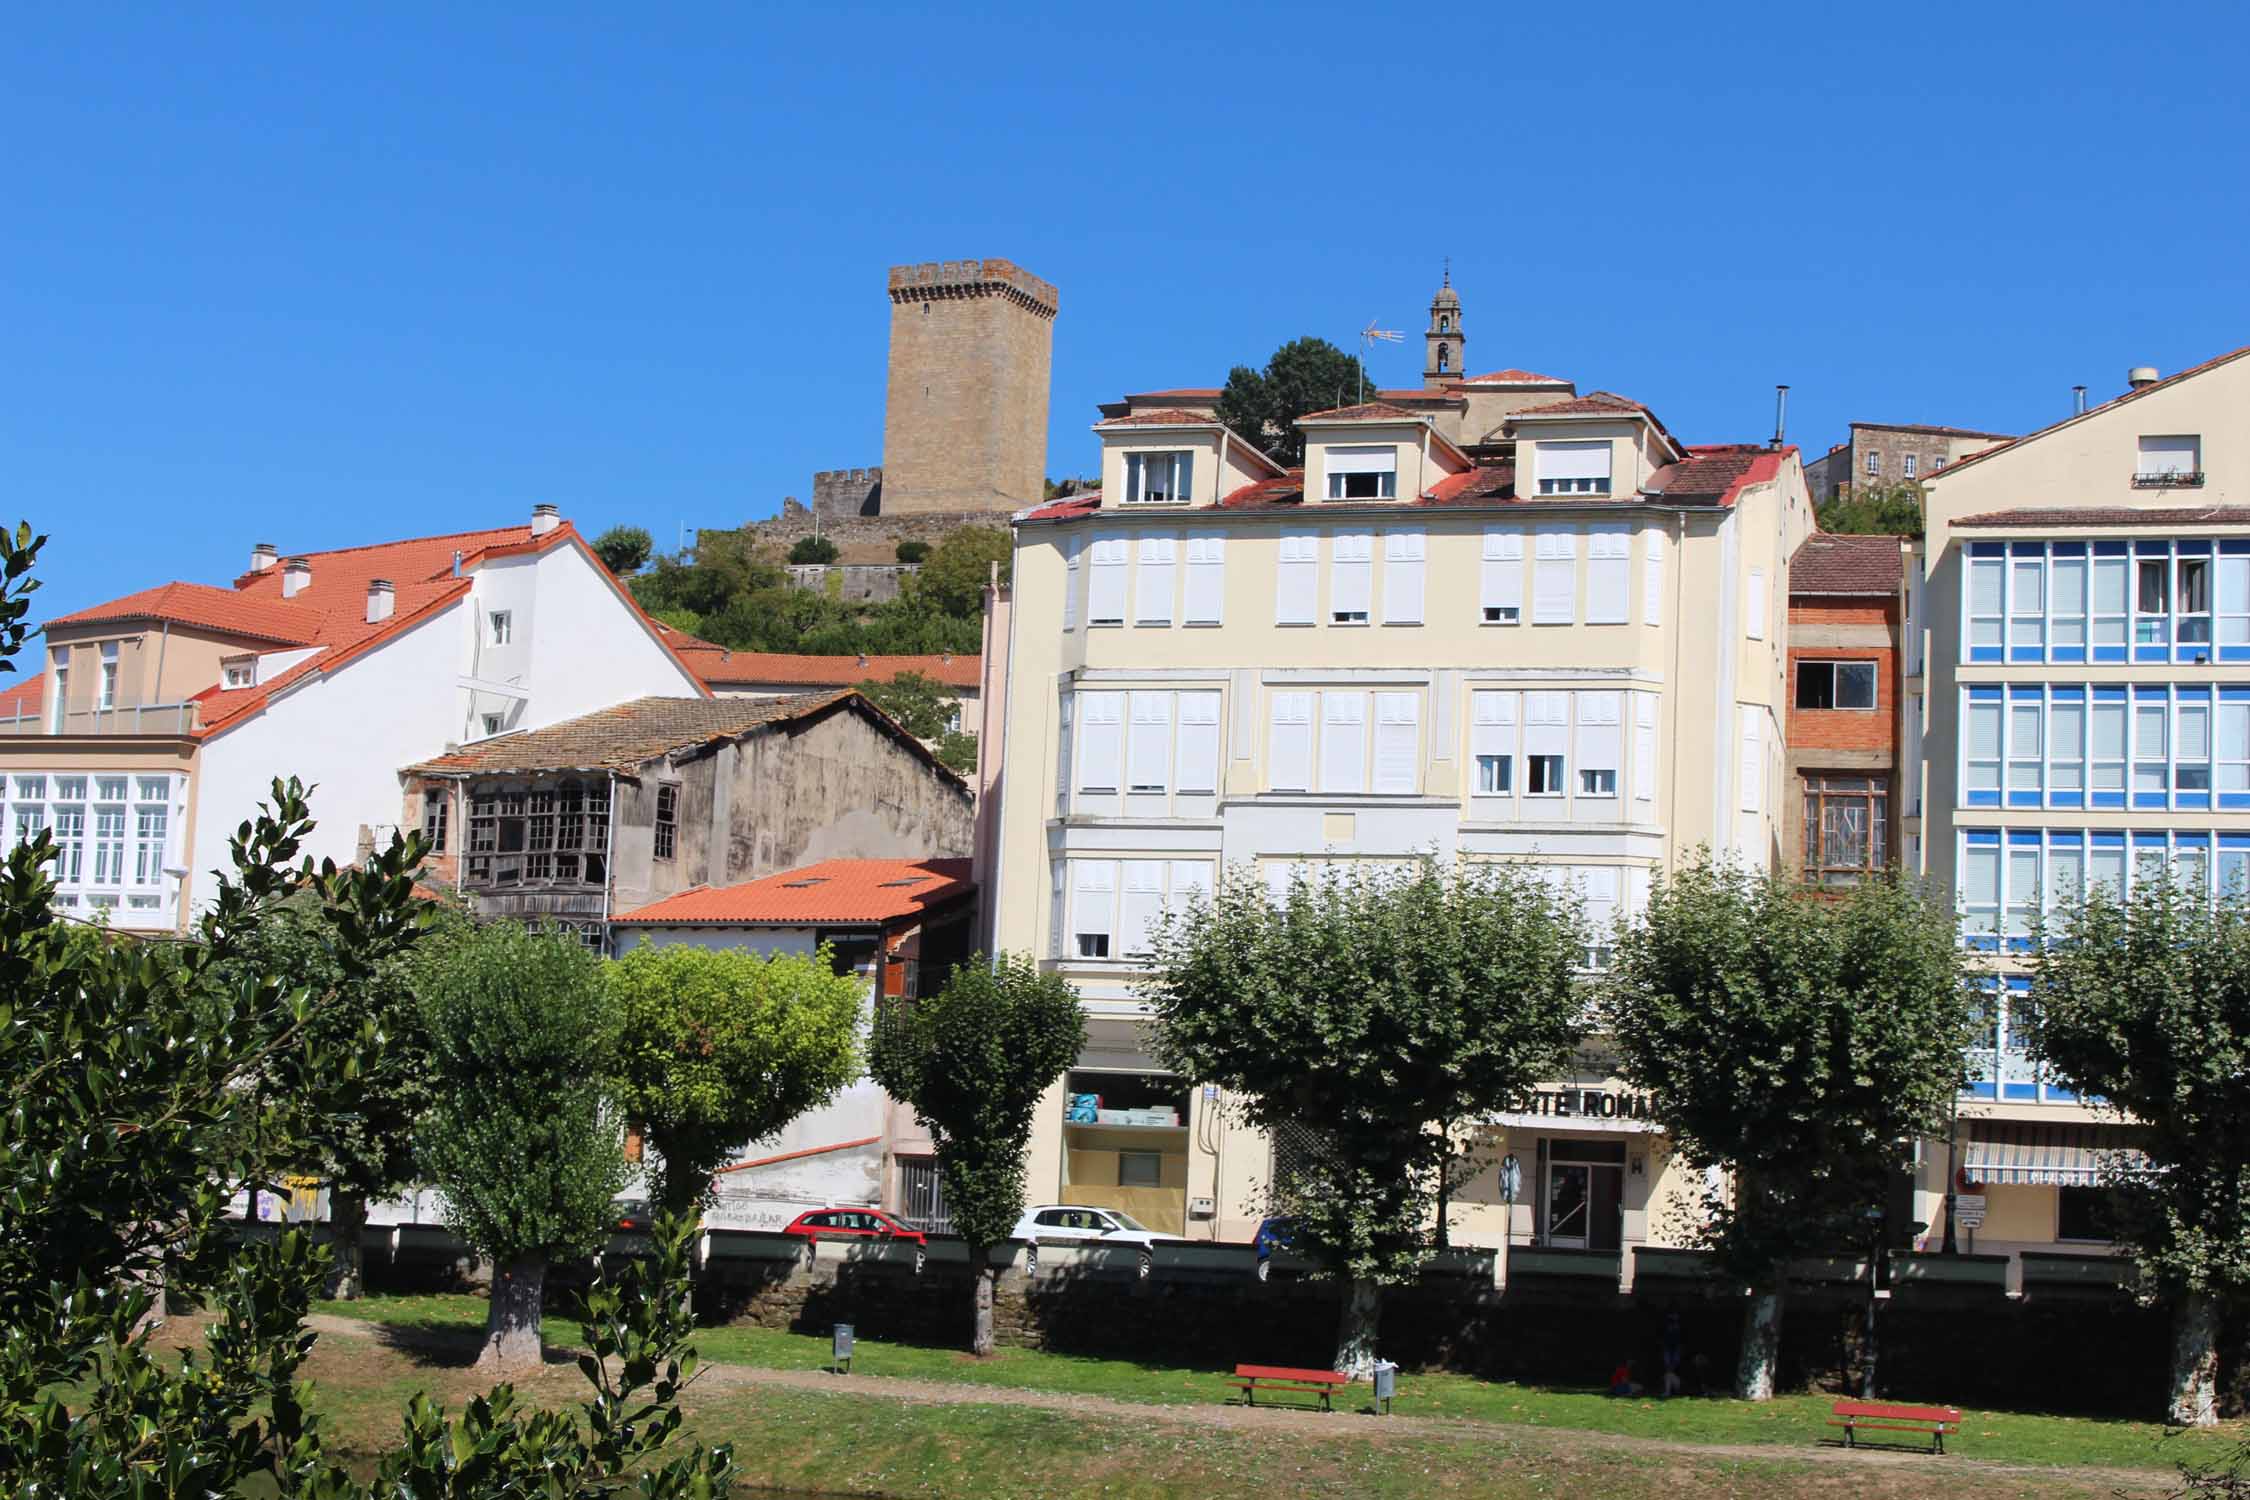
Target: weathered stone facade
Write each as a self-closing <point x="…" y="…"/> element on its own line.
<point x="1886" y="454"/>
<point x="965" y="424"/>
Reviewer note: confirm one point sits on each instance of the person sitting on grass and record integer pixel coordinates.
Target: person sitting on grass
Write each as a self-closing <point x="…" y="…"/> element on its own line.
<point x="1621" y="1381"/>
<point x="1673" y="1340"/>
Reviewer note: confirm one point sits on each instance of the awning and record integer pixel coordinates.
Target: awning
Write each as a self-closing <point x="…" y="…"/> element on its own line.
<point x="2014" y="1153"/>
<point x="1572" y="1124"/>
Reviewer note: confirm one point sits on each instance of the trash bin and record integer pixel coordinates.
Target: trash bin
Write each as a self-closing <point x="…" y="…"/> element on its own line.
<point x="1386" y="1384"/>
<point x="842" y="1345"/>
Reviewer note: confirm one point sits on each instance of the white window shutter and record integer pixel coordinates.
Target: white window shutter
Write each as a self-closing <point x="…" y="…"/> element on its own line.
<point x="1752" y="773"/>
<point x="1199" y="743"/>
<point x="1152" y="604"/>
<point x="1546" y="723"/>
<point x="1756" y="613"/>
<point x="1554" y="580"/>
<point x="1073" y="547"/>
<point x="1289" y="743"/>
<point x="1296" y="581"/>
<point x="1101" y="741"/>
<point x="1206" y="580"/>
<point x="1652" y="577"/>
<point x="1492" y="730"/>
<point x="1343" y="742"/>
<point x="1609" y="553"/>
<point x="1105" y="591"/>
<point x="1093" y="901"/>
<point x="1398" y="742"/>
<point x="1350" y="574"/>
<point x="1644" y="747"/>
<point x="1502" y="582"/>
<point x="1149" y="751"/>
<point x="1403" y="558"/>
<point x="1142" y="901"/>
<point x="1597" y="887"/>
<point x="1599" y="746"/>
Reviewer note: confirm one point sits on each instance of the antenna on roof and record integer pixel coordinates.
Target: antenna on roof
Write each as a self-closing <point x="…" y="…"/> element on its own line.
<point x="1369" y="337"/>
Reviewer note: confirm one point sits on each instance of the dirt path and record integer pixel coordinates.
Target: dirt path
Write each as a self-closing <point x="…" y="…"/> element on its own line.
<point x="1316" y="1425"/>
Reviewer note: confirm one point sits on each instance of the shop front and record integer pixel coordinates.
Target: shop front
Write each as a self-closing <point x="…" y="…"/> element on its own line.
<point x="1579" y="1165"/>
<point x="2028" y="1185"/>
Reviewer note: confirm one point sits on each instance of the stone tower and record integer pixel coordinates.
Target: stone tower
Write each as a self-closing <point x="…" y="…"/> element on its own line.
<point x="965" y="424"/>
<point x="1443" y="362"/>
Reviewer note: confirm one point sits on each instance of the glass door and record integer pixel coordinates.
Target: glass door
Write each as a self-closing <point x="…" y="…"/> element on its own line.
<point x="1569" y="1194"/>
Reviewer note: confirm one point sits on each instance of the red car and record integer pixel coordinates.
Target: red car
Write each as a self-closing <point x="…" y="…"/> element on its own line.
<point x="854" y="1224"/>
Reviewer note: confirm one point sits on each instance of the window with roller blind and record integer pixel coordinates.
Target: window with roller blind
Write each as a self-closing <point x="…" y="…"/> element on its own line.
<point x="1072" y="548"/>
<point x="1159" y="478"/>
<point x="1351" y="584"/>
<point x="1652" y="577"/>
<point x="1296" y="580"/>
<point x="1343" y="742"/>
<point x="1362" y="473"/>
<point x="1101" y="742"/>
<point x="1198" y="768"/>
<point x="1148" y="753"/>
<point x="1573" y="468"/>
<point x="1546" y="743"/>
<point x="1501" y="583"/>
<point x="1644" y="747"/>
<point x="1093" y="907"/>
<point x="1600" y="744"/>
<point x="1554" y="576"/>
<point x="1289" y="743"/>
<point x="1750" y="772"/>
<point x="1152" y="602"/>
<point x="1398" y="743"/>
<point x="2171" y="461"/>
<point x="1609" y="553"/>
<point x="1105" y="586"/>
<point x="1492" y="743"/>
<point x="1206" y="581"/>
<point x="1404" y="553"/>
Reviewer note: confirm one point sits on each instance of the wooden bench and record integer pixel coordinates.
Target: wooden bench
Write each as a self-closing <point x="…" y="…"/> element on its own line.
<point x="1933" y="1422"/>
<point x="1255" y="1378"/>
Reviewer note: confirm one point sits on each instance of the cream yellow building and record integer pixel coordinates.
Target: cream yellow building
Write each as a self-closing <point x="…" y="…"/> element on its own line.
<point x="2084" y="717"/>
<point x="1556" y="638"/>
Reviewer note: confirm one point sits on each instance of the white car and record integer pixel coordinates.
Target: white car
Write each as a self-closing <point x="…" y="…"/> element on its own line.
<point x="1076" y="1221"/>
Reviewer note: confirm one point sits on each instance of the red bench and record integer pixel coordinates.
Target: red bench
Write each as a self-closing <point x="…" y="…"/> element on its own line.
<point x="1933" y="1422"/>
<point x="1255" y="1378"/>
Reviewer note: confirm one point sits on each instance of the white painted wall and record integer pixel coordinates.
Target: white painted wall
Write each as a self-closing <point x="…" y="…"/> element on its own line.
<point x="585" y="650"/>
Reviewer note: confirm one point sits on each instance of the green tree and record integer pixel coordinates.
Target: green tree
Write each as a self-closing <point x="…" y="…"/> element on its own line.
<point x="953" y="579"/>
<point x="913" y="550"/>
<point x="1887" y="509"/>
<point x="1304" y="375"/>
<point x="1376" y="1013"/>
<point x="1803" y="1043"/>
<point x="522" y="1133"/>
<point x="685" y="621"/>
<point x="624" y="550"/>
<point x="923" y="706"/>
<point x="957" y="751"/>
<point x="813" y="549"/>
<point x="724" y="1047"/>
<point x="973" y="1062"/>
<point x="2146" y="1003"/>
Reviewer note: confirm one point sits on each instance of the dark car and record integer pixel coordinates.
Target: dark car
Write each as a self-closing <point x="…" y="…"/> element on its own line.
<point x="855" y="1224"/>
<point x="1273" y="1234"/>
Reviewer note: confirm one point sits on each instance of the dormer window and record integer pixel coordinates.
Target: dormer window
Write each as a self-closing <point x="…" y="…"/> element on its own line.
<point x="238" y="672"/>
<point x="2170" y="462"/>
<point x="1573" y="468"/>
<point x="1159" y="478"/>
<point x="1369" y="473"/>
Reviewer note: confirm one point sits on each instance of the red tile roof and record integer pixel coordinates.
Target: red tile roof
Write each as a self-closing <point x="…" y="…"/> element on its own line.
<point x="1513" y="377"/>
<point x="1366" y="411"/>
<point x="227" y="611"/>
<point x="1828" y="564"/>
<point x="627" y="736"/>
<point x="2111" y="515"/>
<point x="1069" y="507"/>
<point x="1716" y="473"/>
<point x="1284" y="489"/>
<point x="1167" y="417"/>
<point x="719" y="667"/>
<point x="1593" y="403"/>
<point x="858" y="892"/>
<point x="24" y="698"/>
<point x="2115" y="401"/>
<point x="1188" y="392"/>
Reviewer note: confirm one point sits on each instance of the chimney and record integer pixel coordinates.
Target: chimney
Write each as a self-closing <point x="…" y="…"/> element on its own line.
<point x="2140" y="377"/>
<point x="544" y="518"/>
<point x="296" y="576"/>
<point x="380" y="599"/>
<point x="261" y="557"/>
<point x="2078" y="397"/>
<point x="863" y="658"/>
<point x="1780" y="414"/>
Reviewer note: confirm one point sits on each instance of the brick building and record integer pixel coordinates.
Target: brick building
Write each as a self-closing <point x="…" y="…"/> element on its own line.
<point x="1846" y="692"/>
<point x="1892" y="453"/>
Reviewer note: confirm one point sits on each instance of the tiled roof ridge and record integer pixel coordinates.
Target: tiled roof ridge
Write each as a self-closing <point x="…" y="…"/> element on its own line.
<point x="496" y="532"/>
<point x="856" y="891"/>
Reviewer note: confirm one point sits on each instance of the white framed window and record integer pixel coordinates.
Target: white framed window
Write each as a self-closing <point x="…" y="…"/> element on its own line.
<point x="1206" y="581"/>
<point x="1139" y="905"/>
<point x="58" y="682"/>
<point x="1093" y="903"/>
<point x="1981" y="744"/>
<point x="1101" y="742"/>
<point x="1198" y="769"/>
<point x="1554" y="576"/>
<point x="1398" y="743"/>
<point x="1148" y="753"/>
<point x="500" y="626"/>
<point x="1362" y="473"/>
<point x="2066" y="743"/>
<point x="1756" y="611"/>
<point x="1546" y="743"/>
<point x="2105" y="741"/>
<point x="1351" y="567"/>
<point x="1343" y="741"/>
<point x="1600" y="743"/>
<point x="2231" y="773"/>
<point x="2173" y="459"/>
<point x="109" y="841"/>
<point x="1609" y="553"/>
<point x="494" y="723"/>
<point x="2026" y="745"/>
<point x="1296" y="578"/>
<point x="1404" y="553"/>
<point x="1152" y="604"/>
<point x="1907" y="465"/>
<point x="1874" y="464"/>
<point x="1492" y="742"/>
<point x="1072" y="549"/>
<point x="1573" y="468"/>
<point x="107" y="697"/>
<point x="1289" y="743"/>
<point x="1159" y="478"/>
<point x="1501" y="583"/>
<point x="1652" y="577"/>
<point x="1644" y="747"/>
<point x="238" y="672"/>
<point x="1105" y="586"/>
<point x="2027" y="604"/>
<point x="1988" y="581"/>
<point x="1752" y="770"/>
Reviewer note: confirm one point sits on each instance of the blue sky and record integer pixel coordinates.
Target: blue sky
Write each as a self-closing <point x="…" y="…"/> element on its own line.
<point x="317" y="277"/>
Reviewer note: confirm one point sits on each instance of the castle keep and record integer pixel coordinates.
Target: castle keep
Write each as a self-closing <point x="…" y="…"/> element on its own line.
<point x="965" y="423"/>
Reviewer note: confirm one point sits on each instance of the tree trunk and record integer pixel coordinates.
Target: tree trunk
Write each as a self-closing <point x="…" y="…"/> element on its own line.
<point x="347" y="1219"/>
<point x="1444" y="1180"/>
<point x="1356" y="1327"/>
<point x="2195" y="1362"/>
<point x="511" y="1331"/>
<point x="987" y="1281"/>
<point x="1761" y="1345"/>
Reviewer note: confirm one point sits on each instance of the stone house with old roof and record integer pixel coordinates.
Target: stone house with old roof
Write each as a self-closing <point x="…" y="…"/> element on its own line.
<point x="582" y="821"/>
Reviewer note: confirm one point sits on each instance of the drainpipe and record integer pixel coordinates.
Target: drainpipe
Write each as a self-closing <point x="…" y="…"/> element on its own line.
<point x="1422" y="476"/>
<point x="163" y="641"/>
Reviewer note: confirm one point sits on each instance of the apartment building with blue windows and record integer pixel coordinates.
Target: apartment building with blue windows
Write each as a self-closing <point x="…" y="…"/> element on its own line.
<point x="2083" y="719"/>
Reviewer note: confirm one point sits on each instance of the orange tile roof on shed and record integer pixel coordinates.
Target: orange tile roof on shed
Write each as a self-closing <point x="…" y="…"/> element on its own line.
<point x="856" y="892"/>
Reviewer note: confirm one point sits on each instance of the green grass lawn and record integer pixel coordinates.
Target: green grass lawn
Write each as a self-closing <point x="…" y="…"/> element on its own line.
<point x="1788" y="1421"/>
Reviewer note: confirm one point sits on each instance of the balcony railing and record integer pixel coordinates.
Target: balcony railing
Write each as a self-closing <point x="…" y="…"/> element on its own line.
<point x="2170" y="479"/>
<point x="125" y="719"/>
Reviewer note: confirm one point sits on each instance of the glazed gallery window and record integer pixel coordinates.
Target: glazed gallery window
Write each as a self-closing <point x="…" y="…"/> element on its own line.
<point x="556" y="834"/>
<point x="1835" y="684"/>
<point x="667" y="820"/>
<point x="1369" y="473"/>
<point x="1845" y="817"/>
<point x="2147" y="600"/>
<point x="1159" y="478"/>
<point x="437" y="807"/>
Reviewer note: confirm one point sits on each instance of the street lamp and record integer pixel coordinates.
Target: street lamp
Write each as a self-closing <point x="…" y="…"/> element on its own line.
<point x="1873" y="1214"/>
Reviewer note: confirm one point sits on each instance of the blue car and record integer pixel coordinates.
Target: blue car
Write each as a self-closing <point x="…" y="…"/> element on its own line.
<point x="1273" y="1234"/>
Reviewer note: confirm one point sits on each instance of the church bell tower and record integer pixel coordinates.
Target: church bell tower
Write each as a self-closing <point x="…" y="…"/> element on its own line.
<point x="1443" y="362"/>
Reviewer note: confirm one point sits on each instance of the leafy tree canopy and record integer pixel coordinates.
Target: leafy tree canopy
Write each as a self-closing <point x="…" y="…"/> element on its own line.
<point x="1885" y="509"/>
<point x="953" y="578"/>
<point x="923" y="706"/>
<point x="912" y="550"/>
<point x="813" y="549"/>
<point x="724" y="1047"/>
<point x="1304" y="375"/>
<point x="624" y="550"/>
